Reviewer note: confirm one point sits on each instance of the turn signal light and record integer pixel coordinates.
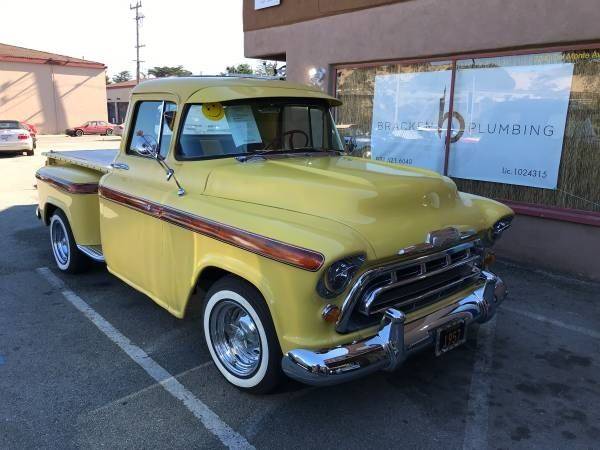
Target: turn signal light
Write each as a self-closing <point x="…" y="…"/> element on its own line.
<point x="489" y="259"/>
<point x="330" y="313"/>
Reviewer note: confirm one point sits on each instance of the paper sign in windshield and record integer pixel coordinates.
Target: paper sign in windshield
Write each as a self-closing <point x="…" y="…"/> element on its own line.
<point x="242" y="125"/>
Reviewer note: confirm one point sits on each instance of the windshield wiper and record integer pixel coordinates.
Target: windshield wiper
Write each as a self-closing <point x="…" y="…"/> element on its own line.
<point x="258" y="154"/>
<point x="263" y="153"/>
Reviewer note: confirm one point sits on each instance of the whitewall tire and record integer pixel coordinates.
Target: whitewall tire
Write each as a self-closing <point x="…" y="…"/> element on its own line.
<point x="240" y="335"/>
<point x="67" y="256"/>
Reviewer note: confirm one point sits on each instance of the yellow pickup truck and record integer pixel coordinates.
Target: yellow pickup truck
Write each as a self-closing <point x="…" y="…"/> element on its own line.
<point x="307" y="261"/>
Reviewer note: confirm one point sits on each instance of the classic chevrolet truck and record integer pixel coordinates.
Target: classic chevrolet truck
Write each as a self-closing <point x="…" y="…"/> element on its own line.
<point x="307" y="261"/>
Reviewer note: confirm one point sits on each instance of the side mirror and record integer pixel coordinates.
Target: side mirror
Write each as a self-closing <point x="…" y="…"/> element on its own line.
<point x="144" y="145"/>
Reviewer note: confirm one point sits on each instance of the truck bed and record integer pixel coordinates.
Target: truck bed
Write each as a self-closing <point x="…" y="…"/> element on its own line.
<point x="94" y="159"/>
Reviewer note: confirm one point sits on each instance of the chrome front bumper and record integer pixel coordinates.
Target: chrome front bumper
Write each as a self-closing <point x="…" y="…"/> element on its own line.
<point x="395" y="340"/>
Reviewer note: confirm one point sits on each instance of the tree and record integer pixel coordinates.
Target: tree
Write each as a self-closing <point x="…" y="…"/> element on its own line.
<point x="167" y="71"/>
<point x="107" y="79"/>
<point x="239" y="69"/>
<point x="124" y="75"/>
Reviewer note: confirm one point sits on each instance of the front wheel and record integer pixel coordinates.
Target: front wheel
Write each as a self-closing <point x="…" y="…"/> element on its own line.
<point x="241" y="337"/>
<point x="78" y="133"/>
<point x="66" y="254"/>
<point x="109" y="132"/>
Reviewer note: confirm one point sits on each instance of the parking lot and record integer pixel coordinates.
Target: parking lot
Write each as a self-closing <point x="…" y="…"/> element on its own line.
<point x="69" y="376"/>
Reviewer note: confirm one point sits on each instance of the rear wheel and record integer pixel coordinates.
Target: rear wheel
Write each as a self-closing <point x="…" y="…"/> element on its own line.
<point x="109" y="132"/>
<point x="67" y="256"/>
<point x="241" y="337"/>
<point x="78" y="132"/>
<point x="29" y="152"/>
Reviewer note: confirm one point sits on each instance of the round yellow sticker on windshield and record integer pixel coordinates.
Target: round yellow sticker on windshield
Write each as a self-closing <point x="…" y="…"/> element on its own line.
<point x="213" y="111"/>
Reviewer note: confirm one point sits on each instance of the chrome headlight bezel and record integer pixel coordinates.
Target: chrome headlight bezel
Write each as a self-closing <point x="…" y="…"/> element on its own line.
<point x="500" y="226"/>
<point x="338" y="275"/>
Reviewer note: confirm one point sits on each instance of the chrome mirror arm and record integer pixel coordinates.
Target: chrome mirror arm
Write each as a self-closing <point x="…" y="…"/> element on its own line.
<point x="150" y="149"/>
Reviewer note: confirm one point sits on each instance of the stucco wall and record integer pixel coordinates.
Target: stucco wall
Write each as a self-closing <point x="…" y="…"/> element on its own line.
<point x="420" y="28"/>
<point x="52" y="97"/>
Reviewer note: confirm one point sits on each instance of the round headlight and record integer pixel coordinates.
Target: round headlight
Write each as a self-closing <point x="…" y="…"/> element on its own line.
<point x="336" y="278"/>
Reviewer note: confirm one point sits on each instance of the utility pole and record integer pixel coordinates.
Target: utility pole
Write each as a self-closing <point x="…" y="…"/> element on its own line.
<point x="138" y="19"/>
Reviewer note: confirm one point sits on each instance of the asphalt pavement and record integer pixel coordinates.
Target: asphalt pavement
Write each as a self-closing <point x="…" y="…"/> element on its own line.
<point x="529" y="379"/>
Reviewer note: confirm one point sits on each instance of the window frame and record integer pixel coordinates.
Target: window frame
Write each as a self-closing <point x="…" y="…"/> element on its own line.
<point x="136" y="108"/>
<point x="529" y="209"/>
<point x="289" y="101"/>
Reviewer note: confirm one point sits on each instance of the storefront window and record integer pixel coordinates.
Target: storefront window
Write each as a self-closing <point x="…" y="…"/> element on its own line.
<point x="524" y="128"/>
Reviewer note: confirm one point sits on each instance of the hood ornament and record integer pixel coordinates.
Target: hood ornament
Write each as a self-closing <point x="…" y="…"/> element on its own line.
<point x="438" y="239"/>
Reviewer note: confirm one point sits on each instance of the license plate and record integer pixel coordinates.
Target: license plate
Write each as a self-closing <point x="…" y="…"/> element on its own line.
<point x="4" y="137"/>
<point x="450" y="336"/>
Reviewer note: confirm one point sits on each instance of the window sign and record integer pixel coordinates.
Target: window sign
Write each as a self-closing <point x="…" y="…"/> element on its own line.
<point x="409" y="112"/>
<point x="512" y="123"/>
<point x="242" y="125"/>
<point x="260" y="4"/>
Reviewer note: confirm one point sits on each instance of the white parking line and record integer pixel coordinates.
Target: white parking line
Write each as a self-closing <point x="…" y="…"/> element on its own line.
<point x="209" y="419"/>
<point x="477" y="419"/>
<point x="141" y="392"/>
<point x="558" y="323"/>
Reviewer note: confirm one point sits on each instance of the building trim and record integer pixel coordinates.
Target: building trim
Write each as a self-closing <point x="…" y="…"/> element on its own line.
<point x="54" y="62"/>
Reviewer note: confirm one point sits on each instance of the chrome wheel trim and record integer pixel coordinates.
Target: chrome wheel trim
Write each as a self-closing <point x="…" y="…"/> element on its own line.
<point x="59" y="240"/>
<point x="235" y="338"/>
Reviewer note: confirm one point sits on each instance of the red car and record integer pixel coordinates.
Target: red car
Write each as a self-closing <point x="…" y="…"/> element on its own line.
<point x="92" y="127"/>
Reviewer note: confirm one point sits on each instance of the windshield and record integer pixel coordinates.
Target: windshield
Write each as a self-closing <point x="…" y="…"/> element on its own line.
<point x="9" y="124"/>
<point x="216" y="130"/>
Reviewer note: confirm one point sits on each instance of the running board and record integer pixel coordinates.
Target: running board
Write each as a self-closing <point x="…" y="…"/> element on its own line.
<point x="93" y="251"/>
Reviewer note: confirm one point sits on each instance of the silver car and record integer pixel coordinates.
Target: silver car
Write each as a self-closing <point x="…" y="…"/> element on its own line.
<point x="15" y="137"/>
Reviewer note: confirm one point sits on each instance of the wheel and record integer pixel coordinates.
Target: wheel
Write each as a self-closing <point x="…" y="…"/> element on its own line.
<point x="78" y="132"/>
<point x="29" y="152"/>
<point x="109" y="132"/>
<point x="241" y="337"/>
<point x="67" y="256"/>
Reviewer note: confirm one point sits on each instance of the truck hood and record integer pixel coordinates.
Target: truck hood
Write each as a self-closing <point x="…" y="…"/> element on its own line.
<point x="392" y="207"/>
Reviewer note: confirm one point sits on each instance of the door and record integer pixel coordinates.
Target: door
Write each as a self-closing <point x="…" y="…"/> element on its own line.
<point x="130" y="200"/>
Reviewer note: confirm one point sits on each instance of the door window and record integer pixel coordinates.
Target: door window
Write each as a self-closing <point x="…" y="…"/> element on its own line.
<point x="150" y="118"/>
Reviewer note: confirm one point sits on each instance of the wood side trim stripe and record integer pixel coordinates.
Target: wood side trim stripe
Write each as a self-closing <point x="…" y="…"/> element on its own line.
<point x="269" y="248"/>
<point x="68" y="186"/>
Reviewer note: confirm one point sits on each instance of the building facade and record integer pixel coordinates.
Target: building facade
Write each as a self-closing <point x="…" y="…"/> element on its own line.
<point x="52" y="92"/>
<point x="503" y="96"/>
<point x="117" y="98"/>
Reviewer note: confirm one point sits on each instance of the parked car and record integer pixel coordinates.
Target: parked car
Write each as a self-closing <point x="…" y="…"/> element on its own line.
<point x="118" y="129"/>
<point x="307" y="261"/>
<point x="91" y="127"/>
<point x="15" y="138"/>
<point x="33" y="131"/>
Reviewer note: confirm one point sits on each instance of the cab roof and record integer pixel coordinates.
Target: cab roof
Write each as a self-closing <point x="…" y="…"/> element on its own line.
<point x="218" y="89"/>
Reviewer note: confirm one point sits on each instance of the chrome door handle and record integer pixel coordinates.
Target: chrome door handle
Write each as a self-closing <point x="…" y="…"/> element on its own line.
<point x="121" y="166"/>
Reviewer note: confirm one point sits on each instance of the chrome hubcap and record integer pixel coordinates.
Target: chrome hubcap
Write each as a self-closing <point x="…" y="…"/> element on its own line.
<point x="60" y="243"/>
<point x="235" y="338"/>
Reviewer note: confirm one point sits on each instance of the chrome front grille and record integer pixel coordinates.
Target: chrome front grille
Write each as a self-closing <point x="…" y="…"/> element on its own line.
<point x="410" y="285"/>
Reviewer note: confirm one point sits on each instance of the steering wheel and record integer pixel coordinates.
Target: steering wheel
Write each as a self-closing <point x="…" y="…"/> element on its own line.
<point x="291" y="134"/>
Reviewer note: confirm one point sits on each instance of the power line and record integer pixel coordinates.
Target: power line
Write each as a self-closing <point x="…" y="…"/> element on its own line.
<point x="138" y="19"/>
